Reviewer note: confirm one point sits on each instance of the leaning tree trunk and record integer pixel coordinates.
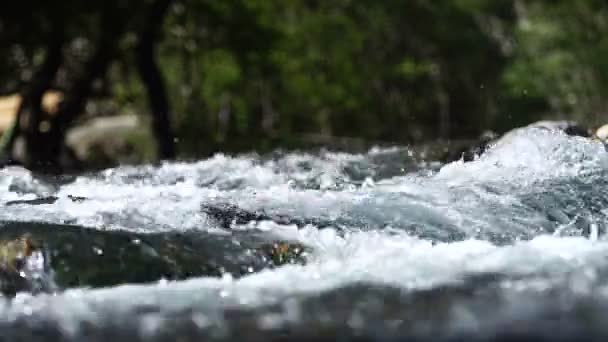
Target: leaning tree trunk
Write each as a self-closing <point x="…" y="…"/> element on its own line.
<point x="27" y="134"/>
<point x="38" y="139"/>
<point x="111" y="28"/>
<point x="152" y="78"/>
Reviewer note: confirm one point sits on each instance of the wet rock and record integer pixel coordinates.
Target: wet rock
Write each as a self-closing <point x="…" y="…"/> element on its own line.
<point x="281" y="253"/>
<point x="45" y="200"/>
<point x="476" y="148"/>
<point x="471" y="150"/>
<point x="228" y="215"/>
<point x="22" y="266"/>
<point x="40" y="257"/>
<point x="569" y="127"/>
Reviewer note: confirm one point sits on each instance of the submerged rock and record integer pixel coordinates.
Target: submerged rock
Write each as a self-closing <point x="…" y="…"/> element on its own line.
<point x="489" y="138"/>
<point x="45" y="200"/>
<point x="569" y="127"/>
<point x="226" y="215"/>
<point x="39" y="257"/>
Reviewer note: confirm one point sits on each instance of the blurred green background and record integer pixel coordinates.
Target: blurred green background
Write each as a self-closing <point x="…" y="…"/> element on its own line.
<point x="245" y="75"/>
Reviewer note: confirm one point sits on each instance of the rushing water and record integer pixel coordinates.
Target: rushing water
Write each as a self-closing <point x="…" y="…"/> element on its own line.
<point x="509" y="245"/>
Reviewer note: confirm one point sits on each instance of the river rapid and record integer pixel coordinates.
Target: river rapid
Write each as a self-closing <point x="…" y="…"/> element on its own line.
<point x="511" y="245"/>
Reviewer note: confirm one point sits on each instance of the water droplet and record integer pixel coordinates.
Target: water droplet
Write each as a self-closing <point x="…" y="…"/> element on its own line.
<point x="27" y="310"/>
<point x="368" y="183"/>
<point x="593" y="232"/>
<point x="226" y="277"/>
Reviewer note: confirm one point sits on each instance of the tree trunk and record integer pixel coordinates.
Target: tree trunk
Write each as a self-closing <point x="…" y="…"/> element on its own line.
<point x="26" y="135"/>
<point x="37" y="139"/>
<point x="443" y="105"/>
<point x="111" y="29"/>
<point x="152" y="78"/>
<point x="51" y="147"/>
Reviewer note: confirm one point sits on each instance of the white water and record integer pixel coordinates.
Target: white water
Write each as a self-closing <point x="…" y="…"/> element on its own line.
<point x="521" y="211"/>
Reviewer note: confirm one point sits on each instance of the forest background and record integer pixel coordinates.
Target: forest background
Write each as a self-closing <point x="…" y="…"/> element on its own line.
<point x="203" y="76"/>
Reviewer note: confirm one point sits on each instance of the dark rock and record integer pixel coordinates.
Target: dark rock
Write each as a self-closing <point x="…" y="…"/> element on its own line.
<point x="472" y="150"/>
<point x="45" y="200"/>
<point x="40" y="257"/>
<point x="22" y="266"/>
<point x="226" y="215"/>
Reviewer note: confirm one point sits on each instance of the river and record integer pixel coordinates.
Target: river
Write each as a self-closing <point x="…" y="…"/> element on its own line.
<point x="511" y="245"/>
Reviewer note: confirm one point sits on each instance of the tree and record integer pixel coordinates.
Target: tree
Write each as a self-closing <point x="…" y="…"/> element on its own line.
<point x="559" y="67"/>
<point x="152" y="78"/>
<point x="38" y="138"/>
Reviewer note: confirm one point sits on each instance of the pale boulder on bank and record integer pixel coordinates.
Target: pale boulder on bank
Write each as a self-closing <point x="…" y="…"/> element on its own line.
<point x="602" y="133"/>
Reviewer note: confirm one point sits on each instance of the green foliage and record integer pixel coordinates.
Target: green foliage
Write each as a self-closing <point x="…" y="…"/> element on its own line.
<point x="561" y="57"/>
<point x="251" y="74"/>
